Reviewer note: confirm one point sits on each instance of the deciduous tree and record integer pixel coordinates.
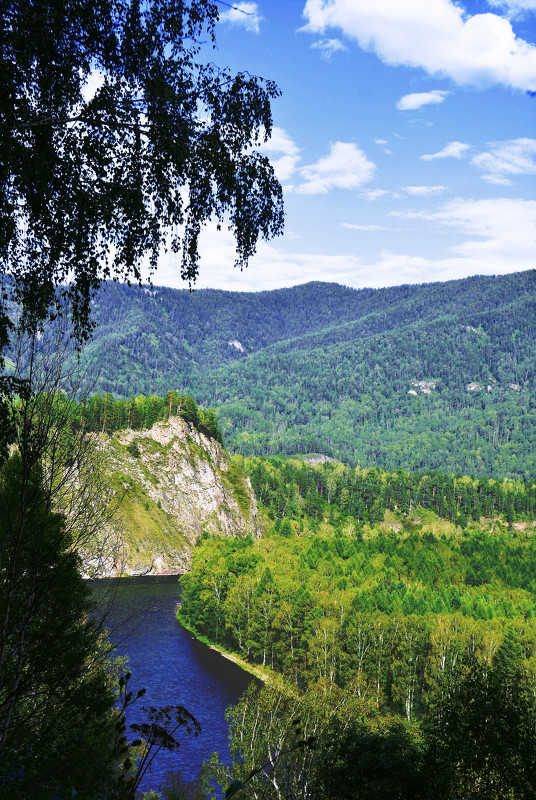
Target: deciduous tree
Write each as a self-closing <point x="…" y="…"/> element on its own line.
<point x="119" y="136"/>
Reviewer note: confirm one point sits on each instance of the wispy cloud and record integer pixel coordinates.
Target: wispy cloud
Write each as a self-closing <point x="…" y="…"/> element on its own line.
<point x="437" y="36"/>
<point x="496" y="236"/>
<point x="328" y="46"/>
<point x="245" y="14"/>
<point x="375" y="194"/>
<point x="516" y="157"/>
<point x="451" y="150"/>
<point x="505" y="229"/>
<point x="354" y="227"/>
<point x="345" y="167"/>
<point x="425" y="191"/>
<point x="515" y="7"/>
<point x="411" y="102"/>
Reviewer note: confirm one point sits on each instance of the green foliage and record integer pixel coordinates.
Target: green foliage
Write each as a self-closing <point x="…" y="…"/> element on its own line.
<point x="133" y="449"/>
<point x="395" y="601"/>
<point x="130" y="164"/>
<point x="109" y="414"/>
<point x="360" y="760"/>
<point x="236" y="477"/>
<point x="297" y="489"/>
<point x="482" y="740"/>
<point x="480" y="743"/>
<point x="412" y="377"/>
<point x="52" y="662"/>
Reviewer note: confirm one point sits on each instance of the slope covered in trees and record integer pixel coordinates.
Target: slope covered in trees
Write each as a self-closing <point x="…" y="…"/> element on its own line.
<point x="362" y="575"/>
<point x="402" y="617"/>
<point x="438" y="376"/>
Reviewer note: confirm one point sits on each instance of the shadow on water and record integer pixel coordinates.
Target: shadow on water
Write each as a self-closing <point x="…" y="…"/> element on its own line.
<point x="173" y="667"/>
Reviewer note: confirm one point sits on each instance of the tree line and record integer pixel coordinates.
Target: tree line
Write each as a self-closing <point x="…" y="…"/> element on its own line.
<point x="480" y="741"/>
<point x="106" y="413"/>
<point x="295" y="488"/>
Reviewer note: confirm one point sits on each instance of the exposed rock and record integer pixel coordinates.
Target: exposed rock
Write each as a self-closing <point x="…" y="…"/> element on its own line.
<point x="425" y="386"/>
<point x="319" y="459"/>
<point x="471" y="329"/>
<point x="175" y="484"/>
<point x="237" y="345"/>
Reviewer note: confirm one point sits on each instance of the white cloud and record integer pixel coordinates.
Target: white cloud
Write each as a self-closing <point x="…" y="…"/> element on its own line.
<point x="410" y="102"/>
<point x="515" y="6"/>
<point x="282" y="145"/>
<point x="354" y="227"/>
<point x="435" y="35"/>
<point x="381" y="141"/>
<point x="451" y="150"/>
<point x="515" y="157"/>
<point x="345" y="167"/>
<point x="497" y="236"/>
<point x="505" y="230"/>
<point x="245" y="14"/>
<point x="328" y="46"/>
<point x="425" y="191"/>
<point x="375" y="194"/>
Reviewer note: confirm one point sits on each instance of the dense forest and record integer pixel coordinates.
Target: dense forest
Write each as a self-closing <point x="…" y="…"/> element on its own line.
<point x="437" y="376"/>
<point x="404" y="620"/>
<point x="354" y="560"/>
<point x="107" y="413"/>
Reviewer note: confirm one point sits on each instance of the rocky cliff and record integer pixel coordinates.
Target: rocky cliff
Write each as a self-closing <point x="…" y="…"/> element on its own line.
<point x="168" y="485"/>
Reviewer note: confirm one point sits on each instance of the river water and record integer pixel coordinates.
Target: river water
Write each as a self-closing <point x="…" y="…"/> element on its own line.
<point x="173" y="667"/>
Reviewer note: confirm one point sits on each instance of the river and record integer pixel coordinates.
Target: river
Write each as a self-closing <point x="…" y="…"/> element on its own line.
<point x="173" y="667"/>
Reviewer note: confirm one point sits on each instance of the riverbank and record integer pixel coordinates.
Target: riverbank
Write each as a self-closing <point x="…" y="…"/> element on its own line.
<point x="263" y="674"/>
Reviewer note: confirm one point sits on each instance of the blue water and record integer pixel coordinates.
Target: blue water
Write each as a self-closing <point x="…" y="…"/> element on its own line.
<point x="173" y="667"/>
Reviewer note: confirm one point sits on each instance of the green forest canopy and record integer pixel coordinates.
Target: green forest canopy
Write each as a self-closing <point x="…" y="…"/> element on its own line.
<point x="438" y="376"/>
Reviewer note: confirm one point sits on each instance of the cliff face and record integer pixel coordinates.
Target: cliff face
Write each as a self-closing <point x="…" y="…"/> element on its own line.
<point x="170" y="484"/>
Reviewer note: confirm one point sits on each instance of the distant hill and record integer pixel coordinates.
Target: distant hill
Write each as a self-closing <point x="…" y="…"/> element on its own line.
<point x="436" y="376"/>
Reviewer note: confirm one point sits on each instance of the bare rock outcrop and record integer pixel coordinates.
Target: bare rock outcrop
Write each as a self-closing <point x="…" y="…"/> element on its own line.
<point x="171" y="484"/>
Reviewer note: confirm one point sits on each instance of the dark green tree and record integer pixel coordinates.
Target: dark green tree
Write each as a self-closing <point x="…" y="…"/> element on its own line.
<point x="482" y="741"/>
<point x="56" y="731"/>
<point x="90" y="183"/>
<point x="357" y="762"/>
<point x="52" y="665"/>
<point x="188" y="409"/>
<point x="209" y="424"/>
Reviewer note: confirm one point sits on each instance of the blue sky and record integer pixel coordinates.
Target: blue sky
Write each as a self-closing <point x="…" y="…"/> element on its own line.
<point x="405" y="140"/>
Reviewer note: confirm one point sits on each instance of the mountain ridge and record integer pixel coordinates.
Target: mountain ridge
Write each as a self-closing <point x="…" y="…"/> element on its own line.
<point x="329" y="369"/>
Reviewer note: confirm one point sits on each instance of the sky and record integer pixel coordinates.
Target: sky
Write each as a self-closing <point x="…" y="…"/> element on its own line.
<point x="404" y="139"/>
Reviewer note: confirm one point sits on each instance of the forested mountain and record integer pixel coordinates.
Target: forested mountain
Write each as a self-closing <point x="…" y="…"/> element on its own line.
<point x="437" y="376"/>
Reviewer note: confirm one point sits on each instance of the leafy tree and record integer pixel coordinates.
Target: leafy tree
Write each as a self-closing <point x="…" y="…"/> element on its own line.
<point x="55" y="694"/>
<point x="188" y="409"/>
<point x="358" y="761"/>
<point x="209" y="424"/>
<point x="482" y="743"/>
<point x="52" y="668"/>
<point x="92" y="183"/>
